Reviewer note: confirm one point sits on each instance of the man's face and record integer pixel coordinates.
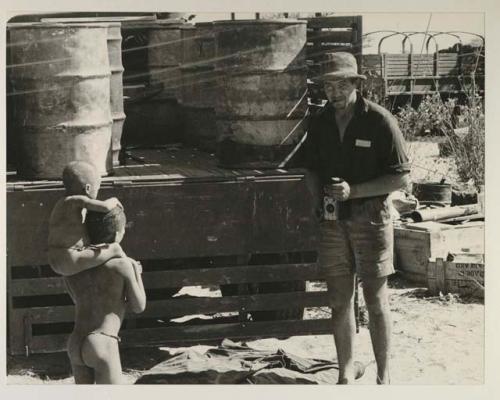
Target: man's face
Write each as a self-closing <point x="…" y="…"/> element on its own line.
<point x="340" y="92"/>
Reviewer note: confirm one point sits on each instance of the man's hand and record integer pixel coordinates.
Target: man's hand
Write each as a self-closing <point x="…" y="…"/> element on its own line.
<point x="338" y="191"/>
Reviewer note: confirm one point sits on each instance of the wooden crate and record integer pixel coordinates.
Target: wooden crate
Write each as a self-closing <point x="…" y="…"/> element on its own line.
<point x="458" y="276"/>
<point x="328" y="34"/>
<point x="41" y="313"/>
<point x="415" y="244"/>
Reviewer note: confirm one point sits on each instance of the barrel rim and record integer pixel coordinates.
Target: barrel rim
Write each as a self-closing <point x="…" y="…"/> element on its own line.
<point x="118" y="19"/>
<point x="47" y="25"/>
<point x="433" y="184"/>
<point x="159" y="24"/>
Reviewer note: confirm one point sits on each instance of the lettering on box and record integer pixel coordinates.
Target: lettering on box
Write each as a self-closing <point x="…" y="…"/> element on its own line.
<point x="475" y="271"/>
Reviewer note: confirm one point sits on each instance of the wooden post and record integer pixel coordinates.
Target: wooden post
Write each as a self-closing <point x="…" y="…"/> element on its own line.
<point x="257" y="15"/>
<point x="233" y="16"/>
<point x="440" y="275"/>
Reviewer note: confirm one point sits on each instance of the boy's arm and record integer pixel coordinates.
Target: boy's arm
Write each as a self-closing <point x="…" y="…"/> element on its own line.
<point x="88" y="258"/>
<point x="134" y="289"/>
<point x="94" y="204"/>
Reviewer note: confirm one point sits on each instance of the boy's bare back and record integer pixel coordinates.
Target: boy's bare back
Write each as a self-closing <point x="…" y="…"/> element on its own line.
<point x="66" y="227"/>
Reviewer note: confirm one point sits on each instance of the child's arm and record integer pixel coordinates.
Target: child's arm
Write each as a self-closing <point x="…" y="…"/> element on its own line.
<point x="134" y="288"/>
<point x="88" y="258"/>
<point x="94" y="204"/>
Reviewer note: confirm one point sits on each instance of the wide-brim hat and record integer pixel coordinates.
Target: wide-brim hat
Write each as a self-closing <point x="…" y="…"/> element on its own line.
<point x="338" y="65"/>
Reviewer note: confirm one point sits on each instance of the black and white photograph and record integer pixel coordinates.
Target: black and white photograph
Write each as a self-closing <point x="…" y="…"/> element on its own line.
<point x="245" y="197"/>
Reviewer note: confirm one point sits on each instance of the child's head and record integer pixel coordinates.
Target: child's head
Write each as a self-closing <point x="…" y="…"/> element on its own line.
<point x="106" y="227"/>
<point x="80" y="177"/>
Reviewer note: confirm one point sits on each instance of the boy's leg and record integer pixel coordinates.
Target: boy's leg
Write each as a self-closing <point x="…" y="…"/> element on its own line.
<point x="83" y="375"/>
<point x="102" y="354"/>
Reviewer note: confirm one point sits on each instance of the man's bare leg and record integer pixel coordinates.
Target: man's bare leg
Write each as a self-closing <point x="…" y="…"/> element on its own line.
<point x="377" y="302"/>
<point x="341" y="291"/>
<point x="102" y="354"/>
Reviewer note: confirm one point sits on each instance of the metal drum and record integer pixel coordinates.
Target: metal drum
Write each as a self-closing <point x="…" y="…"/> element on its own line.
<point x="262" y="76"/>
<point x="199" y="86"/>
<point x="433" y="192"/>
<point x="116" y="83"/>
<point x="152" y="54"/>
<point x="165" y="57"/>
<point x="116" y="94"/>
<point x="60" y="78"/>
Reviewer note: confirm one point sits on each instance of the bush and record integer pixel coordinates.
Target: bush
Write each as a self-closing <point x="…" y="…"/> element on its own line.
<point x="465" y="144"/>
<point x="432" y="117"/>
<point x="468" y="147"/>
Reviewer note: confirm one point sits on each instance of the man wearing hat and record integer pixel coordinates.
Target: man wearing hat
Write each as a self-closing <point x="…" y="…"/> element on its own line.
<point x="359" y="143"/>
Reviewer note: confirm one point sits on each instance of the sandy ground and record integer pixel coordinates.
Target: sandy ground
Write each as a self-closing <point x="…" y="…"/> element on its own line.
<point x="436" y="340"/>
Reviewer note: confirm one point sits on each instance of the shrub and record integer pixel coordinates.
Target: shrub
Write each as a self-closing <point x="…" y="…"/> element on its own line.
<point x="437" y="117"/>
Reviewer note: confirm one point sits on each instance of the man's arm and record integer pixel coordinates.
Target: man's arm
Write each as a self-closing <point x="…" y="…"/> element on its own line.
<point x="384" y="184"/>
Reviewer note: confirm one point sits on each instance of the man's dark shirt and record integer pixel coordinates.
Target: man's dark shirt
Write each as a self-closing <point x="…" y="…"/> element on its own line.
<point x="372" y="146"/>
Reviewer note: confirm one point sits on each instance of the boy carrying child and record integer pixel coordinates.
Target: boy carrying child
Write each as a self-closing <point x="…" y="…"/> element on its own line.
<point x="103" y="294"/>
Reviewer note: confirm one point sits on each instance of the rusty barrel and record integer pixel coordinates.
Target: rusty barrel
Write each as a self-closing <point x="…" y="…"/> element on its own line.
<point x="199" y="86"/>
<point x="114" y="42"/>
<point x="435" y="192"/>
<point x="262" y="81"/>
<point x="60" y="78"/>
<point x="116" y="93"/>
<point x="165" y="57"/>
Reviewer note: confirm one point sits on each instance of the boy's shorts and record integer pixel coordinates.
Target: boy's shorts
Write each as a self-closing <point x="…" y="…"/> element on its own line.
<point x="362" y="244"/>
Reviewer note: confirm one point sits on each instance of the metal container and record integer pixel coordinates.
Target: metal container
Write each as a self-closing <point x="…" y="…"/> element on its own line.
<point x="260" y="45"/>
<point x="114" y="41"/>
<point x="199" y="86"/>
<point x="262" y="81"/>
<point x="60" y="78"/>
<point x="152" y="122"/>
<point x="432" y="192"/>
<point x="116" y="94"/>
<point x="165" y="57"/>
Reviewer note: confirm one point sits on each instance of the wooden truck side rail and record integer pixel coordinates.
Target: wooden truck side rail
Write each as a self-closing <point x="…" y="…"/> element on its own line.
<point x="243" y="233"/>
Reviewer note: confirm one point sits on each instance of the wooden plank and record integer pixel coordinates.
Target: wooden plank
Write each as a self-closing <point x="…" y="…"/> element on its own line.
<point x="185" y="277"/>
<point x="394" y="57"/>
<point x="36" y="286"/>
<point x="197" y="334"/>
<point x="183" y="220"/>
<point x="176" y="307"/>
<point x="232" y="275"/>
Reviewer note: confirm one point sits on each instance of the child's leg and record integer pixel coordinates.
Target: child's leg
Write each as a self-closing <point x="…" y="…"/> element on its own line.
<point x="83" y="375"/>
<point x="102" y="354"/>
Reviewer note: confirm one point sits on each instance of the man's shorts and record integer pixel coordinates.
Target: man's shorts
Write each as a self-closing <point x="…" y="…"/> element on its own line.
<point x="362" y="244"/>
